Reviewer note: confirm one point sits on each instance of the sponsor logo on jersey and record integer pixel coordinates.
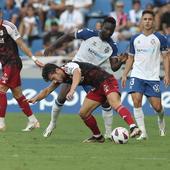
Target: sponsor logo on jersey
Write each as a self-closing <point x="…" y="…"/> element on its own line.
<point x="106" y="50"/>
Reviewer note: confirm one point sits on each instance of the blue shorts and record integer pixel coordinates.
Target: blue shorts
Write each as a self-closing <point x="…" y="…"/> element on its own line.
<point x="146" y="87"/>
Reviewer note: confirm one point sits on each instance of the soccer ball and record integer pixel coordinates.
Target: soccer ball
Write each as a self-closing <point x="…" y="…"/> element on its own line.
<point x="120" y="135"/>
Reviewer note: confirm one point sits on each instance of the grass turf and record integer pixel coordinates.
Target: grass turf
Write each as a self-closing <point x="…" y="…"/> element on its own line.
<point x="64" y="150"/>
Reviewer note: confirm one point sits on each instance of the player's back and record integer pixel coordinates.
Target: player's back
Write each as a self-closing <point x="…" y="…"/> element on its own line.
<point x="92" y="75"/>
<point x="8" y="48"/>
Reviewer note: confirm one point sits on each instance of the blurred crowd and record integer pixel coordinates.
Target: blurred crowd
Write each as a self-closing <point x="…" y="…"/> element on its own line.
<point x="49" y="19"/>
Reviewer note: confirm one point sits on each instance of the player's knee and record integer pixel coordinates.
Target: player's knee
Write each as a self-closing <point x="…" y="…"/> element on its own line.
<point x="137" y="103"/>
<point x="158" y="108"/>
<point x="61" y="99"/>
<point x="83" y="114"/>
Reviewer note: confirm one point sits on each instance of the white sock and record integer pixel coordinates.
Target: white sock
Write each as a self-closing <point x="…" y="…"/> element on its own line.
<point x="107" y="114"/>
<point x="139" y="117"/>
<point x="55" y="111"/>
<point x="161" y="121"/>
<point x="32" y="118"/>
<point x="2" y="120"/>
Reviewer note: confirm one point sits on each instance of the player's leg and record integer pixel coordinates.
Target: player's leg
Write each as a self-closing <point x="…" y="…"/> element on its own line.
<point x="114" y="101"/>
<point x="20" y="98"/>
<point x="157" y="106"/>
<point x="56" y="108"/>
<point x="138" y="114"/>
<point x="137" y="89"/>
<point x="90" y="121"/>
<point x="3" y="105"/>
<point x="154" y="95"/>
<point x="107" y="114"/>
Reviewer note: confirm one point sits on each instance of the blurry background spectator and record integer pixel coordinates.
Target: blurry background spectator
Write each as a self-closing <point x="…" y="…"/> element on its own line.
<point x="135" y="15"/>
<point x="71" y="19"/>
<point x="51" y="17"/>
<point x="83" y="6"/>
<point x="11" y="12"/>
<point x="29" y="26"/>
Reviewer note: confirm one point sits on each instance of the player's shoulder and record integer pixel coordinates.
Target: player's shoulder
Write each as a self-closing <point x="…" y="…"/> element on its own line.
<point x="160" y="36"/>
<point x="8" y="24"/>
<point x="136" y="36"/>
<point x="87" y="32"/>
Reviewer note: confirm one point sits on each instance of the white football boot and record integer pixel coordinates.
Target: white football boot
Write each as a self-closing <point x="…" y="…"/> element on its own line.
<point x="31" y="125"/>
<point x="2" y="127"/>
<point x="48" y="131"/>
<point x="143" y="136"/>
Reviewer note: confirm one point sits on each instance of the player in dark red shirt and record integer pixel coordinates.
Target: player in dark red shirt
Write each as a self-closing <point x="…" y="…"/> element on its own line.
<point x="11" y="66"/>
<point x="105" y="88"/>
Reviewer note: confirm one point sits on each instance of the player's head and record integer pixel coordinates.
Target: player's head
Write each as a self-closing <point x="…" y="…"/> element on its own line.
<point x="148" y="19"/>
<point x="108" y="28"/>
<point x="48" y="71"/>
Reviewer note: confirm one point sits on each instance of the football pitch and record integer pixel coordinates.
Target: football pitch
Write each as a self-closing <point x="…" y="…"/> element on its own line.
<point x="64" y="150"/>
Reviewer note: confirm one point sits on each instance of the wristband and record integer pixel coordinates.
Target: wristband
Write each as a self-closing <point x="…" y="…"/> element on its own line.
<point x="34" y="58"/>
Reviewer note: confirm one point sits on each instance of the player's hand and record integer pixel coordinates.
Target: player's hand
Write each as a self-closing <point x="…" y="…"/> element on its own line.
<point x="69" y="95"/>
<point x="32" y="100"/>
<point x="123" y="57"/>
<point x="123" y="81"/>
<point x="39" y="63"/>
<point x="166" y="81"/>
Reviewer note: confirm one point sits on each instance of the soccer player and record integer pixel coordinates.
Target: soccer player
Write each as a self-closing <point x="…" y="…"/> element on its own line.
<point x="11" y="66"/>
<point x="105" y="87"/>
<point x="97" y="48"/>
<point x="146" y="49"/>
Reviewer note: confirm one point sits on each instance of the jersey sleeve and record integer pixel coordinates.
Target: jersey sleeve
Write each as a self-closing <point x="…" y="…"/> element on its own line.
<point x="163" y="42"/>
<point x="70" y="67"/>
<point x="132" y="48"/>
<point x="114" y="48"/>
<point x="12" y="30"/>
<point x="85" y="34"/>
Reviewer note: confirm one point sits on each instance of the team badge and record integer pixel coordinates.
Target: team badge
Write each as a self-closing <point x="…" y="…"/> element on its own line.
<point x="153" y="41"/>
<point x="156" y="88"/>
<point x="106" y="50"/>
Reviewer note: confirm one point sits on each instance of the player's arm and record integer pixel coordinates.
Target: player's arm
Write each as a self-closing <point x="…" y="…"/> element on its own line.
<point x="66" y="38"/>
<point x="116" y="62"/>
<point x="44" y="93"/>
<point x="128" y="67"/>
<point x="166" y="69"/>
<point x="21" y="44"/>
<point x="75" y="82"/>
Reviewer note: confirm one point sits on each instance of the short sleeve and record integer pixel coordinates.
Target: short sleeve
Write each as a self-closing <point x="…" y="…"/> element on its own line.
<point x="132" y="48"/>
<point x="85" y="34"/>
<point x="12" y="30"/>
<point x="70" y="67"/>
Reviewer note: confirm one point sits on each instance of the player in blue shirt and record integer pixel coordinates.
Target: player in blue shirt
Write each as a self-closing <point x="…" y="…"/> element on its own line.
<point x="144" y="59"/>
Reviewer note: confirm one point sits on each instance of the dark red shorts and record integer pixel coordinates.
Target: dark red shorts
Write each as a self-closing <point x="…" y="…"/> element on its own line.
<point x="108" y="86"/>
<point x="11" y="76"/>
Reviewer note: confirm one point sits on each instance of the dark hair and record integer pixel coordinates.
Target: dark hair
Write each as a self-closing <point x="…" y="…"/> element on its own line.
<point x="110" y="20"/>
<point x="47" y="69"/>
<point x="148" y="12"/>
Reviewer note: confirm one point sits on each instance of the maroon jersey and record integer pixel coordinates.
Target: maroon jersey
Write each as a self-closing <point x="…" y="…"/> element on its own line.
<point x="9" y="54"/>
<point x="91" y="74"/>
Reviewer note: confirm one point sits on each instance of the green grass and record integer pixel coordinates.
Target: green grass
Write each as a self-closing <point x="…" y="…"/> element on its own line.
<point x="64" y="150"/>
